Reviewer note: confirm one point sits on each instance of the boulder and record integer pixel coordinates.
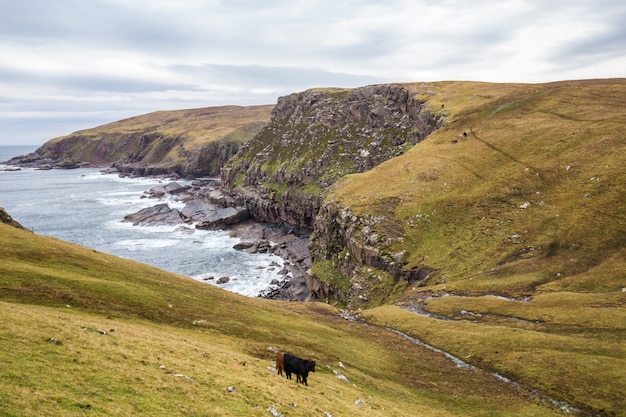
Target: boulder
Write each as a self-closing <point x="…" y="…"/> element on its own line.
<point x="224" y="217"/>
<point x="217" y="197"/>
<point x="199" y="211"/>
<point x="174" y="187"/>
<point x="161" y="214"/>
<point x="161" y="190"/>
<point x="156" y="192"/>
<point x="243" y="245"/>
<point x="223" y="280"/>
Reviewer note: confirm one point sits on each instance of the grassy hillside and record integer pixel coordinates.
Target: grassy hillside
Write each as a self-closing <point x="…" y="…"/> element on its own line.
<point x="519" y="204"/>
<point x="525" y="187"/>
<point x="192" y="142"/>
<point x="84" y="333"/>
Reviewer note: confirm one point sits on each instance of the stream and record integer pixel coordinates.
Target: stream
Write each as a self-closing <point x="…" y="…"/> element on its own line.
<point x="563" y="406"/>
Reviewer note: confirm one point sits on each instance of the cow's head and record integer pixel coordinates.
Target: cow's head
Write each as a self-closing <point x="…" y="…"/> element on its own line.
<point x="310" y="365"/>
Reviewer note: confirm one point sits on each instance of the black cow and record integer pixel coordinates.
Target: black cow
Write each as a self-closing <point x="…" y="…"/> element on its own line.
<point x="300" y="367"/>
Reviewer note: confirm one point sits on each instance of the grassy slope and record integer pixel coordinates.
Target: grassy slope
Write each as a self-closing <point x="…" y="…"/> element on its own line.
<point x="530" y="202"/>
<point x="207" y="340"/>
<point x="199" y="125"/>
<point x="195" y="127"/>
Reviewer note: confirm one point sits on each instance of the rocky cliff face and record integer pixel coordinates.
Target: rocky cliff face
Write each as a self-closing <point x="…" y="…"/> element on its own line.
<point x="316" y="137"/>
<point x="313" y="139"/>
<point x="138" y="153"/>
<point x="349" y="245"/>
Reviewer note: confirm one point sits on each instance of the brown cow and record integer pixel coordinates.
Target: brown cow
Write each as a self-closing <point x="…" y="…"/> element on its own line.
<point x="279" y="363"/>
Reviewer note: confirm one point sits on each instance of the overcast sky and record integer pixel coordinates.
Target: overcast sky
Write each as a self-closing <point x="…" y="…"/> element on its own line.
<point x="67" y="65"/>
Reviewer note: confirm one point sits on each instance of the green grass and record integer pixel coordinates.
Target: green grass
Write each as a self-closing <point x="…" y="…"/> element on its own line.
<point x="328" y="273"/>
<point x="529" y="205"/>
<point x="174" y="345"/>
<point x="552" y="344"/>
<point x="548" y="170"/>
<point x="521" y="195"/>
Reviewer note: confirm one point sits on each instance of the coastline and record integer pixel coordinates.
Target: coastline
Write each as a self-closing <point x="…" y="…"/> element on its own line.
<point x="203" y="204"/>
<point x="285" y="241"/>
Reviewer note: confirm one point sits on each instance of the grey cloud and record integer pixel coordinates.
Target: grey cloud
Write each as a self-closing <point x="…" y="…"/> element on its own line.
<point x="611" y="41"/>
<point x="256" y="76"/>
<point x="160" y="54"/>
<point x="74" y="84"/>
<point x="94" y="24"/>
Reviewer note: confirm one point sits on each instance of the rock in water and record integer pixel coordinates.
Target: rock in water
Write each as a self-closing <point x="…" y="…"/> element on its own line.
<point x="156" y="215"/>
<point x="199" y="211"/>
<point x="224" y="217"/>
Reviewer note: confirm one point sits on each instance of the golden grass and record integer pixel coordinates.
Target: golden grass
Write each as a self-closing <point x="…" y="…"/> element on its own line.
<point x="530" y="203"/>
<point x="580" y="361"/>
<point x="539" y="179"/>
<point x="162" y="138"/>
<point x="197" y="125"/>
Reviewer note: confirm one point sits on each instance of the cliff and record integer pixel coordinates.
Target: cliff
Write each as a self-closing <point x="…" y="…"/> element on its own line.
<point x="496" y="192"/>
<point x="498" y="239"/>
<point x="316" y="137"/>
<point x="190" y="143"/>
<point x="522" y="190"/>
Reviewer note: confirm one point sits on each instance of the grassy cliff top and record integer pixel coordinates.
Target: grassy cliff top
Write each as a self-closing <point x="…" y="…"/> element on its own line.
<point x="194" y="142"/>
<point x="197" y="125"/>
<point x="519" y="204"/>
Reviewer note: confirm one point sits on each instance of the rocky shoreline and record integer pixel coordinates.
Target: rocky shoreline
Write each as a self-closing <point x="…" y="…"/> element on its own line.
<point x="37" y="161"/>
<point x="206" y="207"/>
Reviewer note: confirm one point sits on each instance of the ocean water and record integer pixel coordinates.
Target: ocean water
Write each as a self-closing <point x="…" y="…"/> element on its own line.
<point x="87" y="207"/>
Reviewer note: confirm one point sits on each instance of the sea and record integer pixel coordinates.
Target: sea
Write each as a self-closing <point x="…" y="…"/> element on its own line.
<point x="87" y="207"/>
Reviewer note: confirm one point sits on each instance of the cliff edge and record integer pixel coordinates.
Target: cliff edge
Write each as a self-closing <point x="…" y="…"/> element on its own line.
<point x="190" y="143"/>
<point x="316" y="137"/>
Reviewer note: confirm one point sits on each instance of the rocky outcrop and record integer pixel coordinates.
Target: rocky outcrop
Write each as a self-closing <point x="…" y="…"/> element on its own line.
<point x="157" y="215"/>
<point x="205" y="207"/>
<point x="315" y="138"/>
<point x="208" y="208"/>
<point x="38" y="160"/>
<point x="289" y="243"/>
<point x="355" y="250"/>
<point x="223" y="217"/>
<point x="7" y="219"/>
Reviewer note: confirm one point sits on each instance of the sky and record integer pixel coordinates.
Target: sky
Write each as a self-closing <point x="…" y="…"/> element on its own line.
<point x="67" y="65"/>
